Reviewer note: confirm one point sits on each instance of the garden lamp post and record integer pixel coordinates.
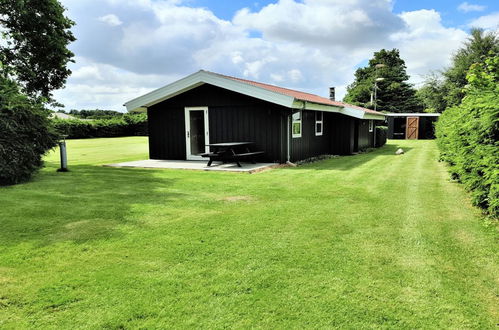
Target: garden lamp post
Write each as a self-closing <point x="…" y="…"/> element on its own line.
<point x="64" y="157"/>
<point x="376" y="91"/>
<point x="376" y="79"/>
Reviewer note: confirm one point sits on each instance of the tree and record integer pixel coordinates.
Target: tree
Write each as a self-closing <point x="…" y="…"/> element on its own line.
<point x="25" y="134"/>
<point x="432" y="94"/>
<point x="33" y="59"/>
<point x="394" y="93"/>
<point x="475" y="49"/>
<point x="95" y="114"/>
<point x="447" y="90"/>
<point x="35" y="52"/>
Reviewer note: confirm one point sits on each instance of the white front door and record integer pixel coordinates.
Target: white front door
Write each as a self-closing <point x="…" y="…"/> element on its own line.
<point x="197" y="134"/>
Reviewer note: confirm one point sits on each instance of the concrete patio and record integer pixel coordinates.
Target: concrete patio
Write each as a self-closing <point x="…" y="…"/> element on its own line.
<point x="199" y="165"/>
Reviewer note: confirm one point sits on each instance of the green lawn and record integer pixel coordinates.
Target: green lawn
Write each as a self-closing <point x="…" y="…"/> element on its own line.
<point x="367" y="241"/>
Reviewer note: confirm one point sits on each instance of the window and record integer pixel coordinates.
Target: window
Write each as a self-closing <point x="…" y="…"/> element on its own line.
<point x="296" y="124"/>
<point x="319" y="123"/>
<point x="371" y="125"/>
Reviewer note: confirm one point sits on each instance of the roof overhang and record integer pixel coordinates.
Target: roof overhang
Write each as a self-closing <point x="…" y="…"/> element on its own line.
<point x="141" y="103"/>
<point x="357" y="113"/>
<point x="344" y="110"/>
<point x="202" y="77"/>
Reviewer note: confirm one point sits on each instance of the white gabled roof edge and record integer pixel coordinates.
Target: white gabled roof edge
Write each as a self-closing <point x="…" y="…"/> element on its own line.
<point x="202" y="77"/>
<point x="199" y="78"/>
<point x="345" y="110"/>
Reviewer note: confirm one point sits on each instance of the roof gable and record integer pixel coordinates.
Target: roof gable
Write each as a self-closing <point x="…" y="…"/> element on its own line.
<point x="282" y="96"/>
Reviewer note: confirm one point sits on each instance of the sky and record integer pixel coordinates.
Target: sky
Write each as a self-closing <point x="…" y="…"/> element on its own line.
<point x="125" y="48"/>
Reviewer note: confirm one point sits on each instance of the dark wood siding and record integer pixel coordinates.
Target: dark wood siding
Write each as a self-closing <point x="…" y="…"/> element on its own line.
<point x="342" y="134"/>
<point x="427" y="127"/>
<point x="260" y="124"/>
<point x="232" y="117"/>
<point x="390" y="122"/>
<point x="309" y="145"/>
<point x="366" y="138"/>
<point x="338" y="137"/>
<point x="166" y="132"/>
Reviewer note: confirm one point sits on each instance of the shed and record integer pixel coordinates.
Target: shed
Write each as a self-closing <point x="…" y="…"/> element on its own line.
<point x="288" y="125"/>
<point x="411" y="126"/>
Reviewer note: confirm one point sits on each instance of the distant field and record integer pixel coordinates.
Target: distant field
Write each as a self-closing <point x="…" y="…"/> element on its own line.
<point x="102" y="151"/>
<point x="367" y="241"/>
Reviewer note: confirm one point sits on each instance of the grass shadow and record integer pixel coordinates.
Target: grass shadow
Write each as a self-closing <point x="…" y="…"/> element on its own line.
<point x="87" y="203"/>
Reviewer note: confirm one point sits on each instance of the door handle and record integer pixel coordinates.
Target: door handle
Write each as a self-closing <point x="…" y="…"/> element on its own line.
<point x="188" y="134"/>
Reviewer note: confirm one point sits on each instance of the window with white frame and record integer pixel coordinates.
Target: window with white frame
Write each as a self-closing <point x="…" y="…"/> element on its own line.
<point x="296" y="124"/>
<point x="371" y="125"/>
<point x="319" y="123"/>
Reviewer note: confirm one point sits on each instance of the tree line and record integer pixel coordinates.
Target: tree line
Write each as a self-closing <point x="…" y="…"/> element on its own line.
<point x="383" y="83"/>
<point x="93" y="114"/>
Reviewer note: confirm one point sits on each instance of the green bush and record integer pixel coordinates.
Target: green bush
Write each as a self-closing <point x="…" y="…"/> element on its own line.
<point x="127" y="125"/>
<point x="468" y="136"/>
<point x="136" y="124"/>
<point x="25" y="134"/>
<point x="381" y="133"/>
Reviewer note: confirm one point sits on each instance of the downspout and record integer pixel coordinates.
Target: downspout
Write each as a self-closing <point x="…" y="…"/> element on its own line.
<point x="288" y="139"/>
<point x="374" y="132"/>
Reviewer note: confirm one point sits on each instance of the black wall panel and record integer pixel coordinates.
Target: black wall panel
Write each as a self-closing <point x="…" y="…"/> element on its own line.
<point x="366" y="138"/>
<point x="232" y="117"/>
<point x="309" y="145"/>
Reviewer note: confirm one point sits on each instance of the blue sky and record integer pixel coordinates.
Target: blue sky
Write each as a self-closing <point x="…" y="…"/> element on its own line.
<point x="125" y="48"/>
<point x="451" y="16"/>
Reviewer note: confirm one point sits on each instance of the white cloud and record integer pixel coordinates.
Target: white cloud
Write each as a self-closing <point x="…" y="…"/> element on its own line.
<point x="295" y="75"/>
<point x="319" y="22"/>
<point x="237" y="57"/>
<point x="111" y="20"/>
<point x="96" y="85"/>
<point x="467" y="7"/>
<point x="276" y="77"/>
<point x="426" y="45"/>
<point x="488" y="22"/>
<point x="308" y="45"/>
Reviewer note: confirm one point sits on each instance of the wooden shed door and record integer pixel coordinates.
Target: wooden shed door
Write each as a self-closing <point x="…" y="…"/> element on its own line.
<point x="412" y="128"/>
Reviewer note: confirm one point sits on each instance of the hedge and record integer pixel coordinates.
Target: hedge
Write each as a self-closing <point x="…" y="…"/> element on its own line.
<point x="468" y="136"/>
<point x="381" y="133"/>
<point x="127" y="125"/>
<point x="25" y="134"/>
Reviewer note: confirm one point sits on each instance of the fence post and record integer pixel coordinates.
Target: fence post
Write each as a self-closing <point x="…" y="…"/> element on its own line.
<point x="64" y="157"/>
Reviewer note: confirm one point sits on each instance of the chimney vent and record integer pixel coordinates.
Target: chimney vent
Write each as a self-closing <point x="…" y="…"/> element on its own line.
<point x="332" y="93"/>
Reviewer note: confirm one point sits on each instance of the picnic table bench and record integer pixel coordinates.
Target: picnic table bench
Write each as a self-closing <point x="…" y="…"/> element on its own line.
<point x="230" y="152"/>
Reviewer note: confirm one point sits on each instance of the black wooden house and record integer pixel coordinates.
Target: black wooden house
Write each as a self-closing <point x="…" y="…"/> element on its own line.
<point x="287" y="125"/>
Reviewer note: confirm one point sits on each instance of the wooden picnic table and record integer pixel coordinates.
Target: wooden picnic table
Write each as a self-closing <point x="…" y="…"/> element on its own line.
<point x="230" y="152"/>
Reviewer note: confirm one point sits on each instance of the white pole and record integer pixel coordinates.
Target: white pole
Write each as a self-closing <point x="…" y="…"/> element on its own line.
<point x="288" y="138"/>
